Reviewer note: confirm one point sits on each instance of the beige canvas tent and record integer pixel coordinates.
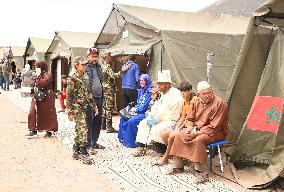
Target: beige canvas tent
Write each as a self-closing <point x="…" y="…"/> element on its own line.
<point x="62" y="50"/>
<point x="179" y="41"/>
<point x="35" y="50"/>
<point x="259" y="72"/>
<point x="16" y="57"/>
<point x="233" y="7"/>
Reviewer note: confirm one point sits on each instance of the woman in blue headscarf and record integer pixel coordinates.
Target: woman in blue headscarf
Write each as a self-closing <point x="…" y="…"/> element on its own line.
<point x="128" y="128"/>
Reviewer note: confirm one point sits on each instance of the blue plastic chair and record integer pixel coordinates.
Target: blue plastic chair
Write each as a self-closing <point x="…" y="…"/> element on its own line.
<point x="211" y="147"/>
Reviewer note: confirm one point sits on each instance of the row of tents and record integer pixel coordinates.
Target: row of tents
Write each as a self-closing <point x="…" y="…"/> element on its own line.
<point x="242" y="58"/>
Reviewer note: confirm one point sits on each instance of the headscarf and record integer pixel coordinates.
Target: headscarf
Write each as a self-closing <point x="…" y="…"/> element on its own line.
<point x="27" y="67"/>
<point x="148" y="82"/>
<point x="42" y="65"/>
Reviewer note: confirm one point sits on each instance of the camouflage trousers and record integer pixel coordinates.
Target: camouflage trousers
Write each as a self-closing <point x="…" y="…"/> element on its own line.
<point x="108" y="106"/>
<point x="81" y="129"/>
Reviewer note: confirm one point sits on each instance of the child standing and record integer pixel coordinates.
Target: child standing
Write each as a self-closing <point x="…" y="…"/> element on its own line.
<point x="78" y="97"/>
<point x="62" y="95"/>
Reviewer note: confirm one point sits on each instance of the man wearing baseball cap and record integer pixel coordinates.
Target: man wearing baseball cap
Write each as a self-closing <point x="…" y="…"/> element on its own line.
<point x="94" y="72"/>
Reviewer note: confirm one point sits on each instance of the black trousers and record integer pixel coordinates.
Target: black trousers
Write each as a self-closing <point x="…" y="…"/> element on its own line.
<point x="94" y="123"/>
<point x="128" y="95"/>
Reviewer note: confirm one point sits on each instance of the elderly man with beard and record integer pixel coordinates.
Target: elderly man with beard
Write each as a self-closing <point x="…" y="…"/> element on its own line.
<point x="207" y="123"/>
<point x="164" y="114"/>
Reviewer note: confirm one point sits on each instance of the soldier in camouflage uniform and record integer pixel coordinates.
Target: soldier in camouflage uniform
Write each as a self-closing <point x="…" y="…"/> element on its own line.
<point x="78" y="97"/>
<point x="108" y="91"/>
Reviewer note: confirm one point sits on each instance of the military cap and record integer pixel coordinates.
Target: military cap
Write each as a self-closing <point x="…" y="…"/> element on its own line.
<point x="104" y="54"/>
<point x="79" y="60"/>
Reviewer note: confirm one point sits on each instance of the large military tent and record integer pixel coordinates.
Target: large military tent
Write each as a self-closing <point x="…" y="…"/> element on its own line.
<point x="179" y="41"/>
<point x="35" y="50"/>
<point x="259" y="72"/>
<point x="64" y="47"/>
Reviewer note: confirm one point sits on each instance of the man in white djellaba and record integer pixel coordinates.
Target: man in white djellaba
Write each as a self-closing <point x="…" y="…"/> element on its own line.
<point x="163" y="116"/>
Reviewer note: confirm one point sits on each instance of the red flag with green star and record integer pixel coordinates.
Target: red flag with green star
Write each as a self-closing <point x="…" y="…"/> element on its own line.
<point x="265" y="113"/>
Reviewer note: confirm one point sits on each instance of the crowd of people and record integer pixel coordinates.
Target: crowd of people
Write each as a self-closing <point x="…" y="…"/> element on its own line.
<point x="20" y="79"/>
<point x="177" y="121"/>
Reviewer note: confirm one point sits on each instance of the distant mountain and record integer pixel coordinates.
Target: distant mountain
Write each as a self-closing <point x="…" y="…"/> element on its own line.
<point x="233" y="7"/>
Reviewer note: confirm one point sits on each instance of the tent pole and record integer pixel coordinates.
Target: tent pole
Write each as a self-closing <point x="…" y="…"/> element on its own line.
<point x="161" y="66"/>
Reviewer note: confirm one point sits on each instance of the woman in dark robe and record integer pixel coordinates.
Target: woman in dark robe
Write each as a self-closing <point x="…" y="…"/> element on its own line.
<point x="42" y="115"/>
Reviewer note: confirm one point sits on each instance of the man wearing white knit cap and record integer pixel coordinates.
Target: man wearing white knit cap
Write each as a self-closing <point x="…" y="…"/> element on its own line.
<point x="164" y="114"/>
<point x="207" y="123"/>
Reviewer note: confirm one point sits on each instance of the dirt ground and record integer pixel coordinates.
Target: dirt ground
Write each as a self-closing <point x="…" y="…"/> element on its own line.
<point x="33" y="165"/>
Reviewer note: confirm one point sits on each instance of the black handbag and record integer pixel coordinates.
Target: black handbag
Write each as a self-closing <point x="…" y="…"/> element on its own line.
<point x="124" y="114"/>
<point x="40" y="95"/>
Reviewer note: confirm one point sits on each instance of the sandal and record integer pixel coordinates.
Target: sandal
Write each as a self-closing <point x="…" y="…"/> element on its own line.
<point x="92" y="152"/>
<point x="159" y="163"/>
<point x="174" y="171"/>
<point x="202" y="179"/>
<point x="139" y="153"/>
<point x="98" y="146"/>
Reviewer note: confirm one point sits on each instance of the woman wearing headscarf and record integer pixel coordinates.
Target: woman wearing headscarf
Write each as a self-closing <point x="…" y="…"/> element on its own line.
<point x="42" y="115"/>
<point x="27" y="74"/>
<point x="128" y="129"/>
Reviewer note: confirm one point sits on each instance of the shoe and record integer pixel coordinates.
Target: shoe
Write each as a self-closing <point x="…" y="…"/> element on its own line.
<point x="92" y="151"/>
<point x="160" y="163"/>
<point x="140" y="153"/>
<point x="76" y="152"/>
<point x="84" y="156"/>
<point x="201" y="179"/>
<point x="32" y="133"/>
<point x="174" y="171"/>
<point x="48" y="134"/>
<point x="111" y="130"/>
<point x="98" y="146"/>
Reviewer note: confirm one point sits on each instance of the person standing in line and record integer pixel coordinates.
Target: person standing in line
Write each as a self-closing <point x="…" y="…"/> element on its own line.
<point x="6" y="74"/>
<point x="1" y="78"/>
<point x="79" y="96"/>
<point x="94" y="72"/>
<point x="108" y="90"/>
<point x="27" y="75"/>
<point x="130" y="81"/>
<point x="42" y="115"/>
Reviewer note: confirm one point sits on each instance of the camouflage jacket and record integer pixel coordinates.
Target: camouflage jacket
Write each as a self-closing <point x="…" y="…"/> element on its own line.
<point x="79" y="95"/>
<point x="108" y="77"/>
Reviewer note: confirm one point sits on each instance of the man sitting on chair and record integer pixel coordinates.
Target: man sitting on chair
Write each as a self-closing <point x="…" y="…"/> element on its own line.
<point x="207" y="123"/>
<point x="164" y="114"/>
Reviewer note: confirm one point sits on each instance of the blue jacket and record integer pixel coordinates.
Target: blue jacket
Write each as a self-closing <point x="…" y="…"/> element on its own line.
<point x="130" y="78"/>
<point x="144" y="98"/>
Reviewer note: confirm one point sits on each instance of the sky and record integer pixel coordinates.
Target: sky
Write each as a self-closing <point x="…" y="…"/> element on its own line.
<point x="21" y="19"/>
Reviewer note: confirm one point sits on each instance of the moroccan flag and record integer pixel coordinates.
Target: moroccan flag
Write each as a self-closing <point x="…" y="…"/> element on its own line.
<point x="265" y="113"/>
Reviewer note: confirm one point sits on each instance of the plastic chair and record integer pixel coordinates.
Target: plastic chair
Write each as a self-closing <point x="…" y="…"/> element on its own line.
<point x="211" y="147"/>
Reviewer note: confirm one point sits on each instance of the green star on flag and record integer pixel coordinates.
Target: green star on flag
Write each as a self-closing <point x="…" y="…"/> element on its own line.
<point x="265" y="113"/>
<point x="273" y="114"/>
